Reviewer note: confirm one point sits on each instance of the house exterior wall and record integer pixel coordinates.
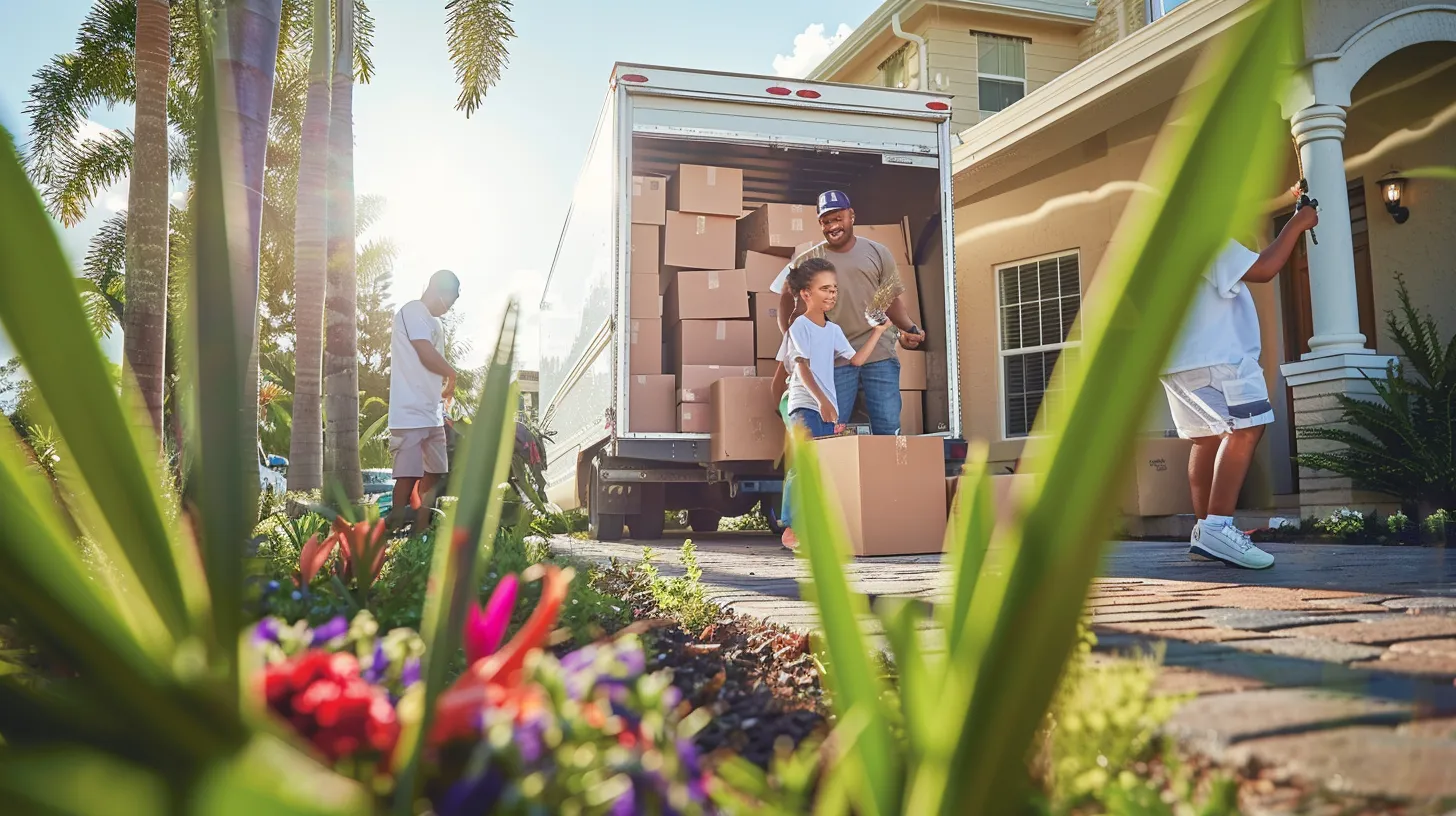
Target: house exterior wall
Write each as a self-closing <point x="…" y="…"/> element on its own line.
<point x="1115" y="20"/>
<point x="1328" y="23"/>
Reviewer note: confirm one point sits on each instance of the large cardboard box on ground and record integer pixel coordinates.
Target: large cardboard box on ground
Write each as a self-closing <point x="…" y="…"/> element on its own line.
<point x="891" y="489"/>
<point x="745" y="424"/>
<point x="766" y="335"/>
<point x="695" y="382"/>
<point x="644" y="346"/>
<point x="707" y="190"/>
<point x="912" y="413"/>
<point x="718" y="294"/>
<point x="693" y="417"/>
<point x="1003" y="486"/>
<point x="1159" y="482"/>
<point x="711" y="342"/>
<point x="642" y="298"/>
<point x="777" y="228"/>
<point x="761" y="269"/>
<point x="645" y="253"/>
<point x="649" y="199"/>
<point x="651" y="404"/>
<point x="692" y="241"/>
<point x="912" y="369"/>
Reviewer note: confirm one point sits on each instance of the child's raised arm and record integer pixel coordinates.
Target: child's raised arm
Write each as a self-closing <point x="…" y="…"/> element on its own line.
<point x="861" y="356"/>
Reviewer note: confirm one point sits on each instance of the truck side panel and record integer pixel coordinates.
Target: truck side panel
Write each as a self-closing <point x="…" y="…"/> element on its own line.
<point x="577" y="330"/>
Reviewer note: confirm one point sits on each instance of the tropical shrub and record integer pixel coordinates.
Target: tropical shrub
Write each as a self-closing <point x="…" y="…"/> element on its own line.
<point x="1343" y="523"/>
<point x="1403" y="441"/>
<point x="1398" y="523"/>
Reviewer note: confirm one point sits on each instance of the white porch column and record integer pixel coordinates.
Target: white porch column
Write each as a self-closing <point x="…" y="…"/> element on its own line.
<point x="1319" y="130"/>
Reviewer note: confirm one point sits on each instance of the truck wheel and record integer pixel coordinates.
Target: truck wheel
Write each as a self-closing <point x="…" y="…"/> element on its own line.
<point x="607" y="526"/>
<point x="647" y="526"/>
<point x="704" y="520"/>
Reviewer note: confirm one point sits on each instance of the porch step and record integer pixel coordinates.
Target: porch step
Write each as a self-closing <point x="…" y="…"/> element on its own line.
<point x="1180" y="527"/>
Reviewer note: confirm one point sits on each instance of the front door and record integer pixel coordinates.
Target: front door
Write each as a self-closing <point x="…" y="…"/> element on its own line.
<point x="1298" y="313"/>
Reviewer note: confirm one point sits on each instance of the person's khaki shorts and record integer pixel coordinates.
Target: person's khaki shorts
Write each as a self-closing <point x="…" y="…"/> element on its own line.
<point x="418" y="451"/>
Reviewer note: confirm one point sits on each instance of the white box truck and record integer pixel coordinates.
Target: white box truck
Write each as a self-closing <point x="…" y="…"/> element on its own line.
<point x="889" y="149"/>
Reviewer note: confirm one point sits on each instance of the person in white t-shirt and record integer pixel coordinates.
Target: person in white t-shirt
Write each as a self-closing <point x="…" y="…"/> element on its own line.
<point x="1217" y="393"/>
<point x="420" y="381"/>
<point x="811" y="348"/>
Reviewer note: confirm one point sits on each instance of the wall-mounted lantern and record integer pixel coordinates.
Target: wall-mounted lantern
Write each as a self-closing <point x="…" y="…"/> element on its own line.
<point x="1392" y="188"/>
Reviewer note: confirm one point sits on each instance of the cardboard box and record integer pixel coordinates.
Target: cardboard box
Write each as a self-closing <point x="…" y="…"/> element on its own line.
<point x="692" y="417"/>
<point x="912" y="413"/>
<point x="891" y="490"/>
<point x="645" y="253"/>
<point x="707" y="190"/>
<point x="649" y="199"/>
<point x="766" y="335"/>
<point x="767" y="368"/>
<point x="642" y="298"/>
<point x="698" y="241"/>
<point x="805" y="247"/>
<point x="745" y="423"/>
<point x="1003" y="486"/>
<point x="695" y="382"/>
<point x="705" y="295"/>
<point x="911" y="296"/>
<point x="760" y="269"/>
<point x="912" y="369"/>
<point x="644" y="355"/>
<point x="777" y="228"/>
<point x="651" y="407"/>
<point x="712" y="342"/>
<point x="1159" y="486"/>
<point x="892" y="236"/>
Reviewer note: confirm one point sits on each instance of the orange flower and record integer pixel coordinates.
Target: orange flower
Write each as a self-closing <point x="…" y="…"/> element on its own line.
<point x="368" y="544"/>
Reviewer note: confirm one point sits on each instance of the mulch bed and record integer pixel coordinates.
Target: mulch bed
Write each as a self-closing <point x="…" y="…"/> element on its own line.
<point x="759" y="681"/>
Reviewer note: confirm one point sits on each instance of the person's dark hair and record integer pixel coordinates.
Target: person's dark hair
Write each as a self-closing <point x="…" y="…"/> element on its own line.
<point x="801" y="276"/>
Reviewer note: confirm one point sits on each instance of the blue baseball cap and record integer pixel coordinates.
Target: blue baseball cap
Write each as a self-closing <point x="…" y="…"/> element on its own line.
<point x="833" y="200"/>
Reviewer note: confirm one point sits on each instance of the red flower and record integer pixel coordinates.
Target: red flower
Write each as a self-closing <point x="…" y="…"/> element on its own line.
<point x="358" y="541"/>
<point x="326" y="701"/>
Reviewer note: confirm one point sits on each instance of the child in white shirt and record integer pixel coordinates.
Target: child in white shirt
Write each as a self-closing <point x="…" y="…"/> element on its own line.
<point x="812" y="345"/>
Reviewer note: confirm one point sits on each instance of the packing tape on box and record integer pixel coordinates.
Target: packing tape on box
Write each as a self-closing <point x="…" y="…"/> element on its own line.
<point x="902" y="451"/>
<point x="712" y="281"/>
<point x="637" y="187"/>
<point x="750" y="371"/>
<point x="687" y="415"/>
<point x="756" y="425"/>
<point x="712" y="177"/>
<point x="641" y="379"/>
<point x="722" y="333"/>
<point x="689" y="395"/>
<point x="702" y="226"/>
<point x="796" y="225"/>
<point x="636" y="328"/>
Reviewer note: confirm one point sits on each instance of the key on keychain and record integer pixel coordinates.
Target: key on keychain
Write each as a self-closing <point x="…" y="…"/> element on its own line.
<point x="1306" y="201"/>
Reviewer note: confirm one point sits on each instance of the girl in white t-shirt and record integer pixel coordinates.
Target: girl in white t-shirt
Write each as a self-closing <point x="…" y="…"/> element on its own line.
<point x="811" y="347"/>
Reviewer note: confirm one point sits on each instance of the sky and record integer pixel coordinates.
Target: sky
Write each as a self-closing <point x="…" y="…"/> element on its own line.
<point x="484" y="196"/>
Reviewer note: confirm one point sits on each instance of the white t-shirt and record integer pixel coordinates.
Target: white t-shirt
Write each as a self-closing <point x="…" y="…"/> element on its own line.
<point x="414" y="391"/>
<point x="1223" y="325"/>
<point x="820" y="345"/>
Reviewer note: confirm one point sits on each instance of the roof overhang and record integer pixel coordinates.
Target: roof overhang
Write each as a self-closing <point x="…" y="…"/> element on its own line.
<point x="877" y="25"/>
<point x="1137" y="74"/>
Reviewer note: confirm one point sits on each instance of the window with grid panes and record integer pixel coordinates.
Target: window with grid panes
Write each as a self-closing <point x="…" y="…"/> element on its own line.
<point x="1038" y="302"/>
<point x="1001" y="71"/>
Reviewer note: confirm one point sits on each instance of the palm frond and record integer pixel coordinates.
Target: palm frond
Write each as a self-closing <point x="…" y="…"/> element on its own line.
<point x="99" y="71"/>
<point x="105" y="269"/>
<point x="363" y="42"/>
<point x="376" y="264"/>
<point x="82" y="170"/>
<point x="478" y="33"/>
<point x="368" y="209"/>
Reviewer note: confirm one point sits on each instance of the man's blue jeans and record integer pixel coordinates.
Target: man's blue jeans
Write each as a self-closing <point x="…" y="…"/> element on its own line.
<point x="814" y="424"/>
<point x="881" y="384"/>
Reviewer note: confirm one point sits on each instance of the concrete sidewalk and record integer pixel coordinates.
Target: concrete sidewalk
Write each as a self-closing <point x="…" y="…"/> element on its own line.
<point x="1337" y="665"/>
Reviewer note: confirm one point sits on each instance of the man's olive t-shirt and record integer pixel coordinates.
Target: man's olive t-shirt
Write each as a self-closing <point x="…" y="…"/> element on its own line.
<point x="862" y="271"/>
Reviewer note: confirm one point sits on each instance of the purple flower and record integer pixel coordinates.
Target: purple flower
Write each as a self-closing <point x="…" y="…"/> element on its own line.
<point x="626" y="804"/>
<point x="470" y="796"/>
<point x="411" y="673"/>
<point x="529" y="743"/>
<point x="377" y="668"/>
<point x="632" y="660"/>
<point x="266" y="631"/>
<point x="338" y="627"/>
<point x="579" y="659"/>
<point x="687" y="754"/>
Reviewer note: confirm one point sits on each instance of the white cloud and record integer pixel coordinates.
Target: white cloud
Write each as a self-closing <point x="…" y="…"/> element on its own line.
<point x="810" y="49"/>
<point x="92" y="130"/>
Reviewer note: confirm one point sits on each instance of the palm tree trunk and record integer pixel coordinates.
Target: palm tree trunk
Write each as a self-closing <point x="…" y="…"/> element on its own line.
<point x="252" y="61"/>
<point x="310" y="265"/>
<point x="341" y="359"/>
<point x="144" y="321"/>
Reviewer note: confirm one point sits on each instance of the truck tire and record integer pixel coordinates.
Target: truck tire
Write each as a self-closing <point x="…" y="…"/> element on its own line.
<point x="704" y="520"/>
<point x="647" y="526"/>
<point x="607" y="526"/>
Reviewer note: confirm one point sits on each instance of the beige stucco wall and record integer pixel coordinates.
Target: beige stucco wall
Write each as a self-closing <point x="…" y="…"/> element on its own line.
<point x="1085" y="227"/>
<point x="1328" y="23"/>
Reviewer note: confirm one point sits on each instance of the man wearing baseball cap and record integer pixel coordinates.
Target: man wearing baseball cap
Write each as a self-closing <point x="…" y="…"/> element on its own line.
<point x="864" y="267"/>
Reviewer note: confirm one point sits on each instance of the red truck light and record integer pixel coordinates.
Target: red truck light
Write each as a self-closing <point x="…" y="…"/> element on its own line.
<point x="808" y="94"/>
<point x="779" y="90"/>
<point x="937" y="106"/>
<point x="633" y="78"/>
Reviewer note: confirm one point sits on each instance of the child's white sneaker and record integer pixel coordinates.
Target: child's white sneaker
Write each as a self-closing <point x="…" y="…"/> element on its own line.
<point x="1227" y="544"/>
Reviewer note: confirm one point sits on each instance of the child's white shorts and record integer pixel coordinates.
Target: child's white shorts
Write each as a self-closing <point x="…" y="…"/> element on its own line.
<point x="1218" y="399"/>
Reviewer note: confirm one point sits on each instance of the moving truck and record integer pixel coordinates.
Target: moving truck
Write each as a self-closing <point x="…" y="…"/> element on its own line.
<point x="672" y="131"/>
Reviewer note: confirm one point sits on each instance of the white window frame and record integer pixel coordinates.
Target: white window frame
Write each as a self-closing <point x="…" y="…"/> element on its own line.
<point x="1002" y="352"/>
<point x="1001" y="77"/>
<point x="1155" y="9"/>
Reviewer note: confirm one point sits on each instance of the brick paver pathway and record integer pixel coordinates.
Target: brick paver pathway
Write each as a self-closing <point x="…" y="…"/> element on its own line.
<point x="1337" y="664"/>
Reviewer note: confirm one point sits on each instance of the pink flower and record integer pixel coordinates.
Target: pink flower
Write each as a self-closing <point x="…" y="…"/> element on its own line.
<point x="484" y="630"/>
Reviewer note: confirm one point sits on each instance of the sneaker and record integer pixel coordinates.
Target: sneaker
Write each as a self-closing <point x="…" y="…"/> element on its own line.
<point x="789" y="540"/>
<point x="1227" y="544"/>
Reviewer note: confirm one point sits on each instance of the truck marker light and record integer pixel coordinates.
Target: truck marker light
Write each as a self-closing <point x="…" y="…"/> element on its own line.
<point x="778" y="90"/>
<point x="937" y="106"/>
<point x="633" y="78"/>
<point x="808" y="94"/>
